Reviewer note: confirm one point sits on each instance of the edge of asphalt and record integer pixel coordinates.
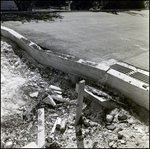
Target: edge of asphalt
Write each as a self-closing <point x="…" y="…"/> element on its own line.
<point x="132" y="88"/>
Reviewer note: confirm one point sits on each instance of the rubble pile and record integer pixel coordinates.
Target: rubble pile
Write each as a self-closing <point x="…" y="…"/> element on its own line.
<point x="44" y="87"/>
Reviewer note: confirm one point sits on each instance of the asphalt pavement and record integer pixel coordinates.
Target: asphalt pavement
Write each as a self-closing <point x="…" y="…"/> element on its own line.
<point x="93" y="36"/>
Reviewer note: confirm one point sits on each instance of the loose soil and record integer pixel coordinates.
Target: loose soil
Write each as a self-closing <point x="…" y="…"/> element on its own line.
<point x="122" y="127"/>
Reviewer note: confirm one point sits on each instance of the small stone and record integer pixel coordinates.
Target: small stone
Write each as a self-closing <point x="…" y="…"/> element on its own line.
<point x="120" y="135"/>
<point x="55" y="88"/>
<point x="79" y="132"/>
<point x="86" y="123"/>
<point x="122" y="141"/>
<point x="111" y="143"/>
<point x="114" y="145"/>
<point x="8" y="144"/>
<point x="122" y="117"/>
<point x="109" y="118"/>
<point x="111" y="127"/>
<point x="86" y="132"/>
<point x="74" y="139"/>
<point x="131" y="121"/>
<point x="34" y="94"/>
<point x="95" y="144"/>
<point x="49" y="139"/>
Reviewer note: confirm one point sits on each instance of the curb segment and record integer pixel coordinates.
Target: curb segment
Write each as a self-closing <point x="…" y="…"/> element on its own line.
<point x="127" y="85"/>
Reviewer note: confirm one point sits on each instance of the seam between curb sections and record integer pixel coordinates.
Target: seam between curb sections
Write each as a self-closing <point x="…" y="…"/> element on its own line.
<point x="127" y="85"/>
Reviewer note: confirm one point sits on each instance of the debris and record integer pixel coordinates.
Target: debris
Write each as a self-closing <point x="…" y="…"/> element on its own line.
<point x="74" y="139"/>
<point x="120" y="135"/>
<point x="109" y="118"/>
<point x="54" y="127"/>
<point x="41" y="128"/>
<point x="107" y="103"/>
<point x="58" y="92"/>
<point x="95" y="144"/>
<point x="86" y="123"/>
<point x="49" y="100"/>
<point x="111" y="127"/>
<point x="34" y="94"/>
<point x="122" y="141"/>
<point x="63" y="125"/>
<point x="131" y="120"/>
<point x="54" y="144"/>
<point x="59" y="98"/>
<point x="111" y="143"/>
<point x="86" y="132"/>
<point x="58" y="124"/>
<point x="55" y="88"/>
<point x="49" y="139"/>
<point x="122" y="117"/>
<point x="8" y="144"/>
<point x="78" y="131"/>
<point x="23" y="108"/>
<point x="31" y="145"/>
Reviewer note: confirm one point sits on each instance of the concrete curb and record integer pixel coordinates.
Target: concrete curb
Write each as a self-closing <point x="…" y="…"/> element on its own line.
<point x="103" y="73"/>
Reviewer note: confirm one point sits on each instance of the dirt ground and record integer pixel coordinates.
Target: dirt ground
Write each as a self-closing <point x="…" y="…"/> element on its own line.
<point x="25" y="82"/>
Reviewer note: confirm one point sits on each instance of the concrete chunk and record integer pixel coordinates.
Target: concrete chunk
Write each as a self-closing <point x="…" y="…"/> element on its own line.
<point x="49" y="100"/>
<point x="55" y="88"/>
<point x="31" y="145"/>
<point x="34" y="94"/>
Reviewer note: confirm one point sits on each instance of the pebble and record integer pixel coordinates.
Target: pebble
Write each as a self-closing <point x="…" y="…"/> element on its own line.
<point x="131" y="121"/>
<point x="120" y="135"/>
<point x="111" y="143"/>
<point x="79" y="132"/>
<point x="111" y="127"/>
<point x="74" y="139"/>
<point x="86" y="132"/>
<point x="109" y="118"/>
<point x="49" y="139"/>
<point x="95" y="144"/>
<point x="122" y="141"/>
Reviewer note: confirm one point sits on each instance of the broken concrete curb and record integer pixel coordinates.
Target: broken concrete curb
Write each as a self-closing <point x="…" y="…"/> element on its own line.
<point x="130" y="87"/>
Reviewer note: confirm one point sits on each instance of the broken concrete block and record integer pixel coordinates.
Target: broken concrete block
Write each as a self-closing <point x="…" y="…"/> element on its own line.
<point x="34" y="94"/>
<point x="54" y="127"/>
<point x="58" y="92"/>
<point x="31" y="145"/>
<point x="8" y="144"/>
<point x="109" y="118"/>
<point x="49" y="100"/>
<point x="58" y="124"/>
<point x="63" y="125"/>
<point x="55" y="88"/>
<point x="59" y="98"/>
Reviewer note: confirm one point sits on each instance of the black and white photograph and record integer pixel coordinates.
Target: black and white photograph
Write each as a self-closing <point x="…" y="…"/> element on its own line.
<point x="75" y="74"/>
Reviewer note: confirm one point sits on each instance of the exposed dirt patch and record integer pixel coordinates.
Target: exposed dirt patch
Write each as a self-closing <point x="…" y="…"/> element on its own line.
<point x="123" y="127"/>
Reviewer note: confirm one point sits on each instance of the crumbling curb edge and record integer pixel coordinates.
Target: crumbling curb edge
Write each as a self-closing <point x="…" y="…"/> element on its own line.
<point x="130" y="87"/>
